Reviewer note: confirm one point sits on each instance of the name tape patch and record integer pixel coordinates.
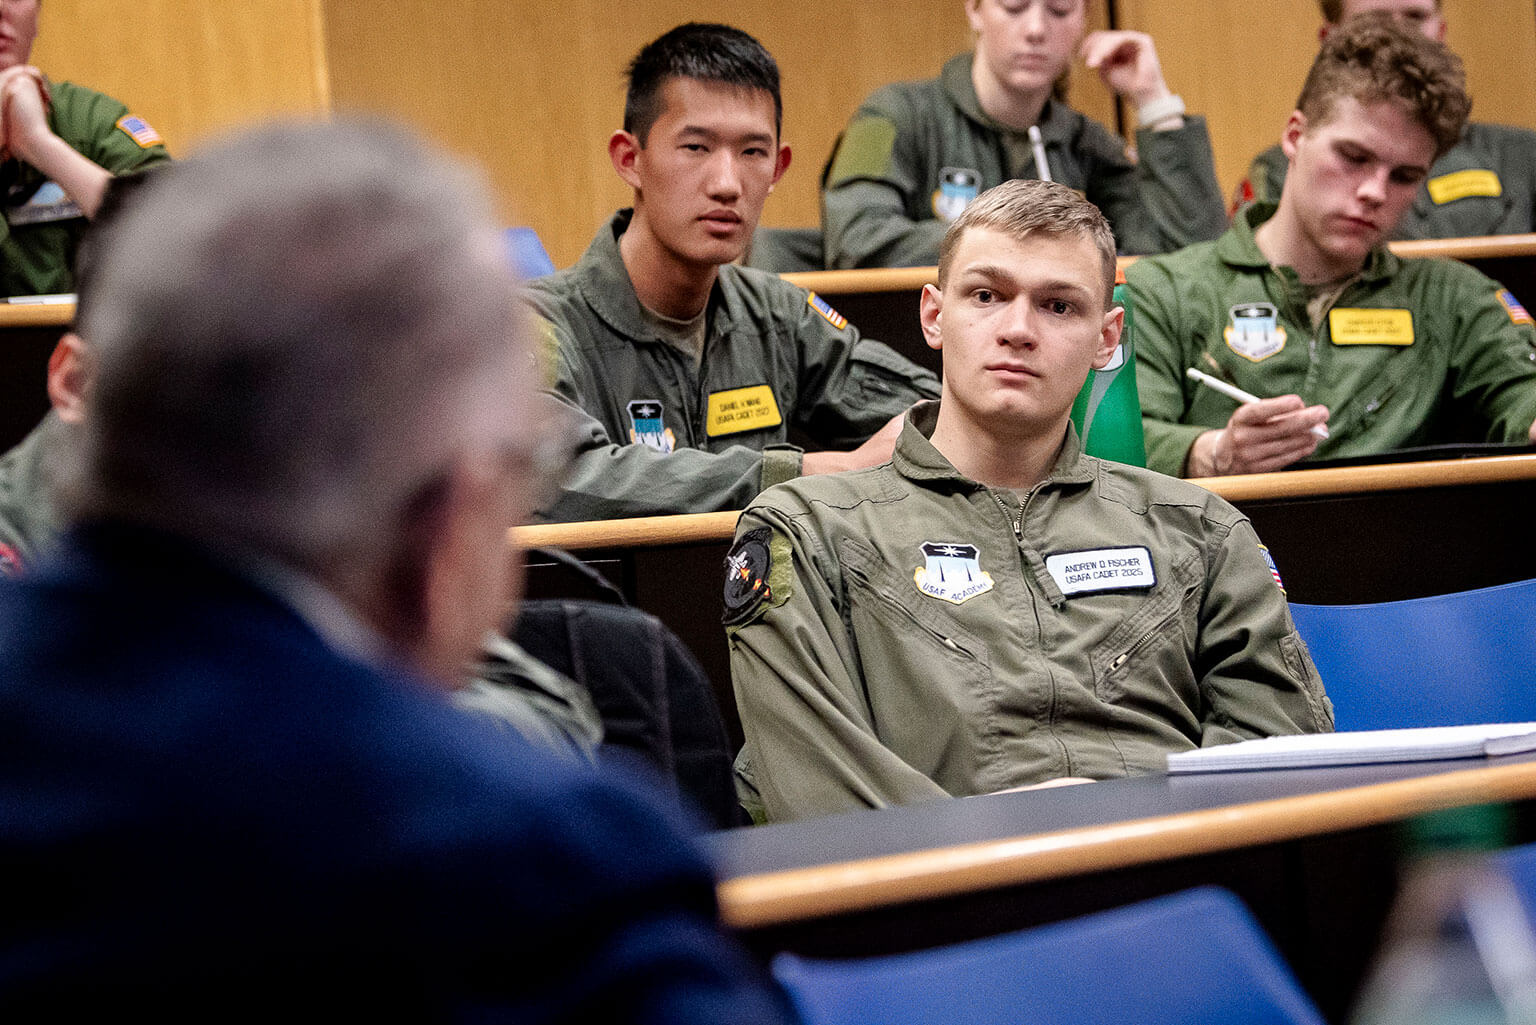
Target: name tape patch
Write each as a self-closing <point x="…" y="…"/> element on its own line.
<point x="1370" y="327"/>
<point x="741" y="409"/>
<point x="1102" y="569"/>
<point x="1463" y="185"/>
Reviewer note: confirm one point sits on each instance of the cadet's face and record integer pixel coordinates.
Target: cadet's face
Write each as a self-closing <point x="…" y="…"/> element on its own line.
<point x="1019" y="324"/>
<point x="18" y="29"/>
<point x="706" y="167"/>
<point x="1422" y="15"/>
<point x="1353" y="176"/>
<point x="1025" y="45"/>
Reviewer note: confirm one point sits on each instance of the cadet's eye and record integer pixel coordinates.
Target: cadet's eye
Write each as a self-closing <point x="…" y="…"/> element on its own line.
<point x="984" y="295"/>
<point x="1060" y="307"/>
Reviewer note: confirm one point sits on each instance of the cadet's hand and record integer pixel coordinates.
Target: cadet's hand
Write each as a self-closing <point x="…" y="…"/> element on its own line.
<point x="1260" y="437"/>
<point x="1128" y="64"/>
<point x="23" y="112"/>
<point x="873" y="452"/>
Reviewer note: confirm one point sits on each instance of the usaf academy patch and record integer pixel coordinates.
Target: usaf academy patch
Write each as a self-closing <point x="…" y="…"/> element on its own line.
<point x="1255" y="332"/>
<point x="647" y="428"/>
<point x="746" y="576"/>
<point x="952" y="572"/>
<point x="957" y="187"/>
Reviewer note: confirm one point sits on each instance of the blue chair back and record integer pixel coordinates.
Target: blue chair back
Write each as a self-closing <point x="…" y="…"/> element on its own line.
<point x="527" y="253"/>
<point x="1447" y="660"/>
<point x="1195" y="956"/>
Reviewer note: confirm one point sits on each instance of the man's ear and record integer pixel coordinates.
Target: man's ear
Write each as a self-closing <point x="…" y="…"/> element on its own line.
<point x="624" y="151"/>
<point x="1109" y="337"/>
<point x="1295" y="128"/>
<point x="69" y="378"/>
<point x="930" y="307"/>
<point x="780" y="165"/>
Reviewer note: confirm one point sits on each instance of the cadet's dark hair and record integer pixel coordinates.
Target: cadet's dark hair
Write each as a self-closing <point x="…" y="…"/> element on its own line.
<point x="1372" y="58"/>
<point x="706" y="53"/>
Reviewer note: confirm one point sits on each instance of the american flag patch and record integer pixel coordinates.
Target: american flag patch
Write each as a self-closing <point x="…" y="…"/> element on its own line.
<point x="1512" y="307"/>
<point x="137" y="129"/>
<point x="1274" y="570"/>
<point x="834" y="318"/>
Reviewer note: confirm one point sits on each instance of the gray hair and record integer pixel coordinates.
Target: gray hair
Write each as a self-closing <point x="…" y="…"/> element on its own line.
<point x="1024" y="206"/>
<point x="294" y="334"/>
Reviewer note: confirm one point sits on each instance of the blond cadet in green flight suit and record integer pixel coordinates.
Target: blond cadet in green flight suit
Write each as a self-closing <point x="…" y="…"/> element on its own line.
<point x="994" y="608"/>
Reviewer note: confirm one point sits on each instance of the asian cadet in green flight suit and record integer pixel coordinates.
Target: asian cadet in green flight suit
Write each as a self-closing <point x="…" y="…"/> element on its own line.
<point x="1303" y="305"/>
<point x="691" y="373"/>
<point x="60" y="146"/>
<point x="994" y="608"/>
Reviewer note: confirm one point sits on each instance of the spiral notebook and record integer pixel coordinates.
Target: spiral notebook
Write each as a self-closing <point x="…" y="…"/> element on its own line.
<point x="1360" y="747"/>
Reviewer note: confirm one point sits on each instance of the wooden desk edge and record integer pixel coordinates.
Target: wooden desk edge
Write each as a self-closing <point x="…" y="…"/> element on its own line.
<point x="910" y="279"/>
<point x="651" y="531"/>
<point x="36" y="314"/>
<point x="776" y="898"/>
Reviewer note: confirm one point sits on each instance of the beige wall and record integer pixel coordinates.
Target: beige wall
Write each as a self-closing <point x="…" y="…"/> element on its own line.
<point x="532" y="90"/>
<point x="189" y="67"/>
<point x="1241" y="63"/>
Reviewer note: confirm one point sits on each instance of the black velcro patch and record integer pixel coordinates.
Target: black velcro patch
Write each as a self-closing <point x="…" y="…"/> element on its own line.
<point x="746" y="576"/>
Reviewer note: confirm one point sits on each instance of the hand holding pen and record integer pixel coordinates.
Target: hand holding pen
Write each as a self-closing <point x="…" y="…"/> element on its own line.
<point x="1262" y="434"/>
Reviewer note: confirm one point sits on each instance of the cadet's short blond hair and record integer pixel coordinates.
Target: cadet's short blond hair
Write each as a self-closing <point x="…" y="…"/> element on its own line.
<point x="1024" y="206"/>
<point x="1372" y="58"/>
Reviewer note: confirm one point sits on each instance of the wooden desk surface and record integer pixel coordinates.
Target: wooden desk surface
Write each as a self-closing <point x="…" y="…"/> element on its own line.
<point x="908" y="279"/>
<point x="36" y="314"/>
<point x="1316" y="854"/>
<point x="660" y="531"/>
<point x="783" y="873"/>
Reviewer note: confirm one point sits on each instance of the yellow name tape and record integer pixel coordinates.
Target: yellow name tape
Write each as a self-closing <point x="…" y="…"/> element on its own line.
<point x="1370" y="327"/>
<point x="1463" y="184"/>
<point x="741" y="409"/>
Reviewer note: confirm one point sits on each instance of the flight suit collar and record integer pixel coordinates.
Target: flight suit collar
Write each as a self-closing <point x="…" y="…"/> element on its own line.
<point x="1238" y="248"/>
<point x="1055" y="128"/>
<point x="604" y="284"/>
<point x="916" y="459"/>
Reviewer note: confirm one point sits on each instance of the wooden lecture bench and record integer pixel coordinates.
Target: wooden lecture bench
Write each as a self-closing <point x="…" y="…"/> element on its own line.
<point x="1340" y="536"/>
<point x="28" y="333"/>
<point x="1315" y="853"/>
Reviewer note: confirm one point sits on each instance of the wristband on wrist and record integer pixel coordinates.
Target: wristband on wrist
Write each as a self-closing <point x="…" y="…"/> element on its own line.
<point x="1160" y="109"/>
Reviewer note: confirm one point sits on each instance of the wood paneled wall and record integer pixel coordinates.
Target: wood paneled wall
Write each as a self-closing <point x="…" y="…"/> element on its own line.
<point x="190" y="67"/>
<point x="532" y="90"/>
<point x="1242" y="63"/>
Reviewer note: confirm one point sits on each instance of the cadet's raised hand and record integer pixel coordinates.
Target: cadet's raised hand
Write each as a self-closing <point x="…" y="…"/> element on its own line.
<point x="1127" y="62"/>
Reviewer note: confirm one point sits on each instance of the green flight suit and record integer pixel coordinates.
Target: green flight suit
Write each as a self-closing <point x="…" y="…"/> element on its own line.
<point x="916" y="152"/>
<point x="779" y="356"/>
<point x="41" y="226"/>
<point x="902" y="633"/>
<point x="1458" y="365"/>
<point x="29" y="518"/>
<point x="1486" y="185"/>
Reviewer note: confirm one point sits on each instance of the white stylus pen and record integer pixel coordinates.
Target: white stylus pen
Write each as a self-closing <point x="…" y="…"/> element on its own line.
<point x="1042" y="168"/>
<point x="1232" y="391"/>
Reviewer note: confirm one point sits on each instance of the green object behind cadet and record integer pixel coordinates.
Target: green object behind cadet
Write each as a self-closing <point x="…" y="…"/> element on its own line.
<point x="1107" y="413"/>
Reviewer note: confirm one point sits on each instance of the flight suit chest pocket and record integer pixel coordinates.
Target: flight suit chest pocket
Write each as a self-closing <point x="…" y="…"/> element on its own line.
<point x="1148" y="652"/>
<point x="921" y="668"/>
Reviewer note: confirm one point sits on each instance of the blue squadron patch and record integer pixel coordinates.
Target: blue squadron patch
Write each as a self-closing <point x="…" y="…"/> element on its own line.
<point x="1255" y="332"/>
<point x="957" y="187"/>
<point x="647" y="428"/>
<point x="951" y="571"/>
